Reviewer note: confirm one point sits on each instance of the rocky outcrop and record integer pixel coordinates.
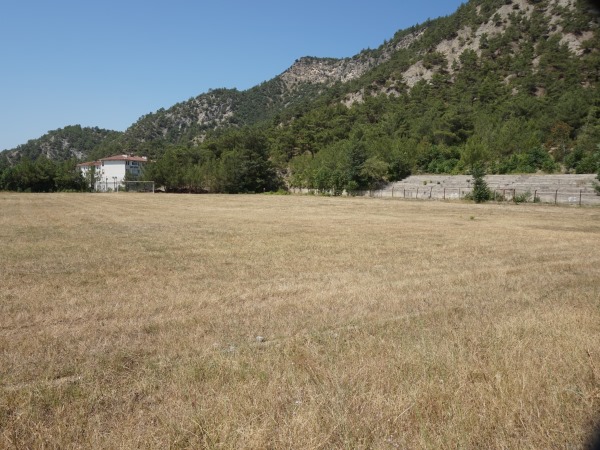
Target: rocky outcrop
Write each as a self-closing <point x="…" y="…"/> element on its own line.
<point x="330" y="70"/>
<point x="325" y="71"/>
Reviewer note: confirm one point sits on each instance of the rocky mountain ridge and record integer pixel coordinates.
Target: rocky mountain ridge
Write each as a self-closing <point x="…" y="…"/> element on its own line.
<point x="328" y="71"/>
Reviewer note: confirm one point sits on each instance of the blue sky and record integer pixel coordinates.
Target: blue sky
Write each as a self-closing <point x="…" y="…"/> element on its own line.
<point x="105" y="64"/>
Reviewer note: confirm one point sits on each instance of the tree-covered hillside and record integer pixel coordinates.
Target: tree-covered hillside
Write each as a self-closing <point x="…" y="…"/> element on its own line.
<point x="72" y="141"/>
<point x="508" y="84"/>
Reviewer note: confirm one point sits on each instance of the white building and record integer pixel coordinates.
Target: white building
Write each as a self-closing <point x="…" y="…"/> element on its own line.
<point x="112" y="171"/>
<point x="86" y="168"/>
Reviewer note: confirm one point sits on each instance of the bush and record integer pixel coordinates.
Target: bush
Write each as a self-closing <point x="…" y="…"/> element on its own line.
<point x="279" y="191"/>
<point x="522" y="198"/>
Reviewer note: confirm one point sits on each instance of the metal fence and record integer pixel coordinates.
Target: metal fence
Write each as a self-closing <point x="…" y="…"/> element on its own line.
<point x="124" y="186"/>
<point x="107" y="186"/>
<point x="555" y="196"/>
<point x="578" y="197"/>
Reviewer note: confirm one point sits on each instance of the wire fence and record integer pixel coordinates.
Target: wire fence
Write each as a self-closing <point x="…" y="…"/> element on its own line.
<point x="578" y="197"/>
<point x="124" y="186"/>
<point x="107" y="186"/>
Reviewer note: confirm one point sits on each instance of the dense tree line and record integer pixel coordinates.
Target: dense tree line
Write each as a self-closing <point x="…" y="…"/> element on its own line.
<point x="42" y="175"/>
<point x="236" y="162"/>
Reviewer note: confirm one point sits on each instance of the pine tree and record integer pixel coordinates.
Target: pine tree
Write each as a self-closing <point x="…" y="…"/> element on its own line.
<point x="481" y="191"/>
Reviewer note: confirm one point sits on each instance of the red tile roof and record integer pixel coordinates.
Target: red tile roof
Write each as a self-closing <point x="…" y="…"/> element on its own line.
<point x="88" y="164"/>
<point x="125" y="158"/>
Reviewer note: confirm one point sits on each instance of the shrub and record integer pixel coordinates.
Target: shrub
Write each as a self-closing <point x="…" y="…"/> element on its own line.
<point x="522" y="198"/>
<point x="279" y="191"/>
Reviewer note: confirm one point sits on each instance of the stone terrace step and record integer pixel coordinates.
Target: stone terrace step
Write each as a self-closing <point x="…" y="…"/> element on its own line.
<point x="548" y="188"/>
<point x="539" y="182"/>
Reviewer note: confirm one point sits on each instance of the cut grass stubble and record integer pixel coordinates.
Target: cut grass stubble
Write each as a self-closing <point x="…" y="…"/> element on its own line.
<point x="132" y="321"/>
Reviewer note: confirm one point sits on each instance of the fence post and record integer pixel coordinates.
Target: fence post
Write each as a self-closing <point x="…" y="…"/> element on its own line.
<point x="444" y="193"/>
<point x="430" y="191"/>
<point x="556" y="197"/>
<point x="404" y="192"/>
<point x="580" y="197"/>
<point x="534" y="195"/>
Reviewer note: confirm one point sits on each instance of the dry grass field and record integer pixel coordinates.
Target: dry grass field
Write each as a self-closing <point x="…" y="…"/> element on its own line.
<point x="133" y="321"/>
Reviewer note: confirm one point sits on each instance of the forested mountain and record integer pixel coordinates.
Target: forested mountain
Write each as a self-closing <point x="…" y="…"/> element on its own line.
<point x="510" y="84"/>
<point x="70" y="142"/>
<point x="309" y="77"/>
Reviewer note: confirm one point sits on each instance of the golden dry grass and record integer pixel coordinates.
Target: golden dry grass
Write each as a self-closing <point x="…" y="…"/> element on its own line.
<point x="131" y="321"/>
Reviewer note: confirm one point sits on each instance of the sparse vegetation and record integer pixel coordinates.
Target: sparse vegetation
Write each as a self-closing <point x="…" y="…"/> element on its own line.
<point x="164" y="321"/>
<point x="522" y="197"/>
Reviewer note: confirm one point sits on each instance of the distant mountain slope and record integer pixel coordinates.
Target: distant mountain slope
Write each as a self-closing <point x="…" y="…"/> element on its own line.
<point x="306" y="79"/>
<point x="510" y="84"/>
<point x="497" y="33"/>
<point x="513" y="37"/>
<point x="72" y="141"/>
<point x="497" y="78"/>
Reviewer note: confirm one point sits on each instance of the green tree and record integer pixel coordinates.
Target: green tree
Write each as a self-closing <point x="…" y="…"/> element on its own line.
<point x="374" y="171"/>
<point x="245" y="164"/>
<point x="474" y="152"/>
<point x="481" y="192"/>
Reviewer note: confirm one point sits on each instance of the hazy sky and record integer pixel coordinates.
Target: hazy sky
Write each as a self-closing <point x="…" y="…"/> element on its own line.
<point x="106" y="63"/>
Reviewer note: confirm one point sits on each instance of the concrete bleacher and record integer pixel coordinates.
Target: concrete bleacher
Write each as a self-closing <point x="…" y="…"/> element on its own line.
<point x="570" y="189"/>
